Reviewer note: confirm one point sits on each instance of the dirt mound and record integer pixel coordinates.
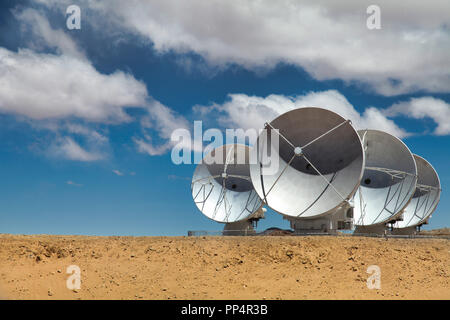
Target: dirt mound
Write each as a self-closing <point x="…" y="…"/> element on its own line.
<point x="326" y="267"/>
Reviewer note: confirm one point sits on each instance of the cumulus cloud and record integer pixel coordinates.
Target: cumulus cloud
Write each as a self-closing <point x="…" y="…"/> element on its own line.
<point x="424" y="107"/>
<point x="50" y="89"/>
<point x="57" y="91"/>
<point x="54" y="86"/>
<point x="92" y="135"/>
<point x="243" y="111"/>
<point x="44" y="35"/>
<point x="69" y="149"/>
<point x="162" y="120"/>
<point x="329" y="40"/>
<point x="43" y="86"/>
<point x="63" y="138"/>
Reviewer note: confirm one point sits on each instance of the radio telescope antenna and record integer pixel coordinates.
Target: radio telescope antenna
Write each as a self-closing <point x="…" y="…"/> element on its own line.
<point x="321" y="162"/>
<point x="222" y="189"/>
<point x="424" y="201"/>
<point x="388" y="184"/>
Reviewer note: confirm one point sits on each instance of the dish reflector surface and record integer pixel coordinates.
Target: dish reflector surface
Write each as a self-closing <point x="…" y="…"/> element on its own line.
<point x="321" y="161"/>
<point x="425" y="198"/>
<point x="389" y="179"/>
<point x="222" y="189"/>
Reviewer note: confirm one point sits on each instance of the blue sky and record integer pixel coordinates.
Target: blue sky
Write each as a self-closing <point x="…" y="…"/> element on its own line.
<point x="86" y="115"/>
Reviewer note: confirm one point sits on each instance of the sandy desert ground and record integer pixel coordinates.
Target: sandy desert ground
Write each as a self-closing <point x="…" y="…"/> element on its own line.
<point x="263" y="267"/>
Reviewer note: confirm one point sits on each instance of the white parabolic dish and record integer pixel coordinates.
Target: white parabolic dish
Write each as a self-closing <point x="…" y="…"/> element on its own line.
<point x="321" y="161"/>
<point x="425" y="198"/>
<point x="389" y="180"/>
<point x="222" y="190"/>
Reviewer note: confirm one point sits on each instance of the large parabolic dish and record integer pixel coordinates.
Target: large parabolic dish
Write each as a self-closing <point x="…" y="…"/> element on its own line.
<point x="389" y="180"/>
<point x="425" y="198"/>
<point x="321" y="161"/>
<point x="221" y="185"/>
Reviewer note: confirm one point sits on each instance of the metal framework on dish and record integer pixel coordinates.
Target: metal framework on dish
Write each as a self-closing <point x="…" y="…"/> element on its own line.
<point x="222" y="189"/>
<point x="388" y="183"/>
<point x="329" y="177"/>
<point x="321" y="163"/>
<point x="424" y="201"/>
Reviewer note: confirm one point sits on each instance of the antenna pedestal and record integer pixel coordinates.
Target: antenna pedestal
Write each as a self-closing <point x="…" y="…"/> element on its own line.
<point x="408" y="231"/>
<point x="330" y="224"/>
<point x="244" y="227"/>
<point x="240" y="228"/>
<point x="378" y="229"/>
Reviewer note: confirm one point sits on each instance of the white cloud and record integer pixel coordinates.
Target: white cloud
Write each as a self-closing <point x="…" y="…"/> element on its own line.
<point x="243" y="111"/>
<point x="74" y="88"/>
<point x="35" y="22"/>
<point x="69" y="149"/>
<point x="81" y="135"/>
<point x="92" y="135"/>
<point x="55" y="86"/>
<point x="117" y="172"/>
<point x="71" y="183"/>
<point x="162" y="120"/>
<point x="329" y="40"/>
<point x="424" y="107"/>
<point x="58" y="91"/>
<point x="147" y="146"/>
<point x="45" y="86"/>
